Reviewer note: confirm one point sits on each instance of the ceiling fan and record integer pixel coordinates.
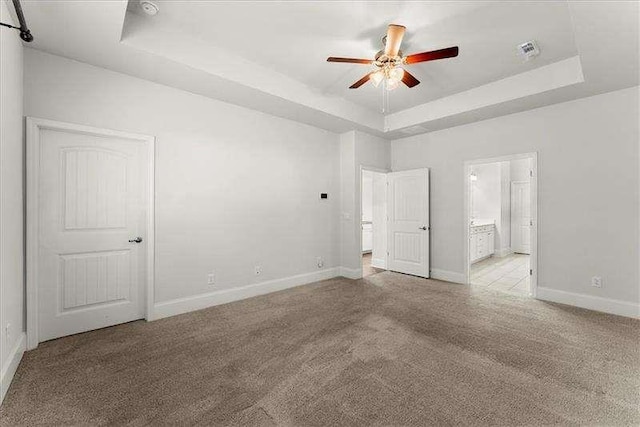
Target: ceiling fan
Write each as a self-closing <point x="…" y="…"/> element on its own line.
<point x="389" y="60"/>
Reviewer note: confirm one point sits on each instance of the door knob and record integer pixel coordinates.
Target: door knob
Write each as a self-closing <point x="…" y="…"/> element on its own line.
<point x="424" y="227"/>
<point x="136" y="240"/>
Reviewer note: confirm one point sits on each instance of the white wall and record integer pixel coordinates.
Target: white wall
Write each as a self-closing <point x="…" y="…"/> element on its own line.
<point x="235" y="188"/>
<point x="367" y="195"/>
<point x="519" y="170"/>
<point x="588" y="188"/>
<point x="486" y="191"/>
<point x="11" y="202"/>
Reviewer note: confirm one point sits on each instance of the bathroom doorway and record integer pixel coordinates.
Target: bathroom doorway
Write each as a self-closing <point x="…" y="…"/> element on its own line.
<point x="500" y="214"/>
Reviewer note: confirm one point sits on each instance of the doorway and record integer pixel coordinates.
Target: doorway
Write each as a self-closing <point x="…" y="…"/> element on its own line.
<point x="394" y="230"/>
<point x="90" y="228"/>
<point x="373" y="222"/>
<point x="499" y="222"/>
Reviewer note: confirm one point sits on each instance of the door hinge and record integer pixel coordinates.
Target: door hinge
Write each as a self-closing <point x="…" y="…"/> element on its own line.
<point x="531" y="173"/>
<point x="530" y="222"/>
<point x="530" y="272"/>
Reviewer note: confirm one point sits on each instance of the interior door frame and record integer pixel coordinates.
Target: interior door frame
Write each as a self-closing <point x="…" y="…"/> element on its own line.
<point x="466" y="170"/>
<point x="33" y="127"/>
<point x="358" y="218"/>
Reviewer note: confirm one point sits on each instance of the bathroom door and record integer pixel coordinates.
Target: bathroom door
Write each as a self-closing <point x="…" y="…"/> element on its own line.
<point x="520" y="217"/>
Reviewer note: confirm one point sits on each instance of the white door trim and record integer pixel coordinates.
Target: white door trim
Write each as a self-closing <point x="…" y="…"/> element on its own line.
<point x="34" y="125"/>
<point x="466" y="170"/>
<point x="358" y="215"/>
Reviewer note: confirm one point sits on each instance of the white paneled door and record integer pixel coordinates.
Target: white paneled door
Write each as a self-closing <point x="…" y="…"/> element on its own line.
<point x="92" y="210"/>
<point x="408" y="209"/>
<point x="521" y="217"/>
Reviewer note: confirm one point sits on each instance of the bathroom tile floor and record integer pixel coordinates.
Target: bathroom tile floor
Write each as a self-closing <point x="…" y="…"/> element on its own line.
<point x="507" y="274"/>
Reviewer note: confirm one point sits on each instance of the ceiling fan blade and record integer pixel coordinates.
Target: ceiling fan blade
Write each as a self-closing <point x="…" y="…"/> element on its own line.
<point x="360" y="82"/>
<point x="449" y="52"/>
<point x="395" y="33"/>
<point x="409" y="80"/>
<point x="350" y="60"/>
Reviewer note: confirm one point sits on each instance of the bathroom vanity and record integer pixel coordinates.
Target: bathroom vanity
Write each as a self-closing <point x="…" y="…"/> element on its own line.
<point x="481" y="240"/>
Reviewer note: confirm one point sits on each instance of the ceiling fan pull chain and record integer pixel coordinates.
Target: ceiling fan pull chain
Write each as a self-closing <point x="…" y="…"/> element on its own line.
<point x="385" y="97"/>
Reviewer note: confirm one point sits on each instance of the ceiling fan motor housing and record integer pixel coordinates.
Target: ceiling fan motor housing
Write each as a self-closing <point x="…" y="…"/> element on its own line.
<point x="384" y="61"/>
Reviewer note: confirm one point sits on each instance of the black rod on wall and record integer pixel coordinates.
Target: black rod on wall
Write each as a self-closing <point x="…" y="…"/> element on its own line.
<point x="25" y="34"/>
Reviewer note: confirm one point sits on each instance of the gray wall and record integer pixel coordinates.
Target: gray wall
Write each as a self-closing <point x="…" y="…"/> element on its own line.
<point x="11" y="198"/>
<point x="588" y="188"/>
<point x="235" y="188"/>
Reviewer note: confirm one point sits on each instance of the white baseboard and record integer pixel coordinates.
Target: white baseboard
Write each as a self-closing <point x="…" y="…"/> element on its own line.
<point x="351" y="273"/>
<point x="448" y="276"/>
<point x="379" y="263"/>
<point x="11" y="366"/>
<point x="606" y="305"/>
<point x="224" y="296"/>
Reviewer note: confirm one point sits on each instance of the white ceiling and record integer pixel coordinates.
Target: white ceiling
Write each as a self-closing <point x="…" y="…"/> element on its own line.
<point x="271" y="56"/>
<point x="295" y="39"/>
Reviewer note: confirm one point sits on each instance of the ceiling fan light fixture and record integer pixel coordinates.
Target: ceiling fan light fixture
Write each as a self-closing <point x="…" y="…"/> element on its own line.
<point x="393" y="77"/>
<point x="392" y="84"/>
<point x="396" y="74"/>
<point x="377" y="77"/>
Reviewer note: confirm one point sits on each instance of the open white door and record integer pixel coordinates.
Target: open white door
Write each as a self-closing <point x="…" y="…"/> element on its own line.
<point x="521" y="217"/>
<point x="409" y="222"/>
<point x="89" y="228"/>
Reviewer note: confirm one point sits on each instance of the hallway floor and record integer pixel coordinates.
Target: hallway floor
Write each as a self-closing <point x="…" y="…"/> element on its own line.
<point x="367" y="269"/>
<point x="507" y="274"/>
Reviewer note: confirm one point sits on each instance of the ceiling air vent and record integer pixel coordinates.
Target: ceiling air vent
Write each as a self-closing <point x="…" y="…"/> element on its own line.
<point x="529" y="49"/>
<point x="413" y="130"/>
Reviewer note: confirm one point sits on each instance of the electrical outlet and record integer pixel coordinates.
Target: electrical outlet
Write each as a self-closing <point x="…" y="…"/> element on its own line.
<point x="257" y="270"/>
<point x="596" y="281"/>
<point x="320" y="262"/>
<point x="211" y="278"/>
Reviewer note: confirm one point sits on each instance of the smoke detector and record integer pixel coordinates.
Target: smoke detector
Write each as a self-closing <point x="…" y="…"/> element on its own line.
<point x="529" y="50"/>
<point x="149" y="7"/>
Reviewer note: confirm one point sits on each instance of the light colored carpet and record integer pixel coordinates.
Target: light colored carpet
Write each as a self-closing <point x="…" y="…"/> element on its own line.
<point x="386" y="350"/>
